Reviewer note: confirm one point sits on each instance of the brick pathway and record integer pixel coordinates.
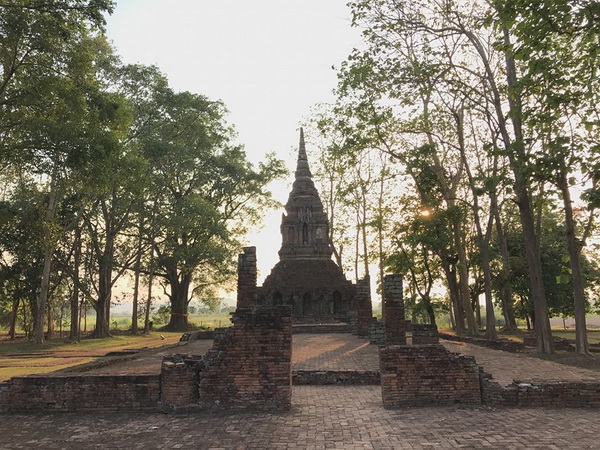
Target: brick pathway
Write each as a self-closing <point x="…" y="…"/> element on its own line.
<point x="333" y="351"/>
<point x="322" y="417"/>
<point x="348" y="352"/>
<point x="505" y="366"/>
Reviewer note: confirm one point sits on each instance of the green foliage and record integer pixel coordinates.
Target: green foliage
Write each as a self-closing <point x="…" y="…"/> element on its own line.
<point x="555" y="267"/>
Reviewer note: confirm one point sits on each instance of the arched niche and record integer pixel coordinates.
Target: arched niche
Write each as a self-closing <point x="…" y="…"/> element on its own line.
<point x="337" y="302"/>
<point x="277" y="298"/>
<point x="306" y="304"/>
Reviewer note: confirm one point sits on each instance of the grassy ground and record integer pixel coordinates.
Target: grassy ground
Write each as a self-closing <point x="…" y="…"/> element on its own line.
<point x="20" y="357"/>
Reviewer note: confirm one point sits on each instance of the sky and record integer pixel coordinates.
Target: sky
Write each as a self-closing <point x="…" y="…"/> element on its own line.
<point x="269" y="61"/>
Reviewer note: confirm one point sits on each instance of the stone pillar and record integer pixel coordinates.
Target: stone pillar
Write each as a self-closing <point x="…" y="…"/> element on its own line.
<point x="393" y="306"/>
<point x="246" y="288"/>
<point x="364" y="308"/>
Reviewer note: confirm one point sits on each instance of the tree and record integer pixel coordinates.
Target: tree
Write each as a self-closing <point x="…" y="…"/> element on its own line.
<point x="416" y="49"/>
<point x="559" y="106"/>
<point x="46" y="62"/>
<point x="204" y="193"/>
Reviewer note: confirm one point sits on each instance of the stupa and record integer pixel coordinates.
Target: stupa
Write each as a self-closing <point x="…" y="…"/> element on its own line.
<point x="306" y="277"/>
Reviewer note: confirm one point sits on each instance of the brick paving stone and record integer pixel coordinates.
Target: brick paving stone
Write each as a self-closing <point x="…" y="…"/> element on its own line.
<point x="341" y="351"/>
<point x="506" y="367"/>
<point x="337" y="417"/>
<point x="338" y="351"/>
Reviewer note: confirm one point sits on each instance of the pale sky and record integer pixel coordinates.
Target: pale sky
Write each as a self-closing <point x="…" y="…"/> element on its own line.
<point x="269" y="61"/>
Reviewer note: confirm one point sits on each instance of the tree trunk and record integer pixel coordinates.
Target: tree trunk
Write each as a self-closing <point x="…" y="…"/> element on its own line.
<point x="364" y="235"/>
<point x="179" y="304"/>
<point x="477" y="307"/>
<point x="13" y="318"/>
<point x="41" y="310"/>
<point x="74" y="328"/>
<point x="102" y="306"/>
<point x="581" y="340"/>
<point x="483" y="238"/>
<point x="149" y="298"/>
<point x="505" y="288"/>
<point x="454" y="296"/>
<point x="464" y="279"/>
<point x="516" y="156"/>
<point x="50" y="320"/>
<point x="136" y="284"/>
<point x="490" y="318"/>
<point x="48" y="252"/>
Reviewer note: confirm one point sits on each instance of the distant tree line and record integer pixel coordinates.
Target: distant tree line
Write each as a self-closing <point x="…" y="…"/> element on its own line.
<point x="108" y="174"/>
<point x="463" y="151"/>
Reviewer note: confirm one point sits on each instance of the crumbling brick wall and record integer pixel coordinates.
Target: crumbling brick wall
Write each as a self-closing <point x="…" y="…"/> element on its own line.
<point x="393" y="304"/>
<point x="364" y="307"/>
<point x="427" y="375"/>
<point x="246" y="287"/>
<point x="250" y="364"/>
<point x="83" y="393"/>
<point x="179" y="381"/>
<point x="551" y="394"/>
<point x="4" y="397"/>
<point x="424" y="334"/>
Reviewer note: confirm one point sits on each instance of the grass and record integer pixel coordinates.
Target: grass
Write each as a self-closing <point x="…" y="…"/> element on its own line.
<point x="593" y="335"/>
<point x="21" y="357"/>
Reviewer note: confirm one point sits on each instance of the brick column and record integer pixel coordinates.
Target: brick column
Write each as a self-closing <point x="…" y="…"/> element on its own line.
<point x="246" y="288"/>
<point x="393" y="306"/>
<point x="250" y="366"/>
<point x="364" y="308"/>
<point x="179" y="381"/>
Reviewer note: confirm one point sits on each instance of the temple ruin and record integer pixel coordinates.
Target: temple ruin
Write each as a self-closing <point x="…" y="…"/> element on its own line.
<point x="306" y="278"/>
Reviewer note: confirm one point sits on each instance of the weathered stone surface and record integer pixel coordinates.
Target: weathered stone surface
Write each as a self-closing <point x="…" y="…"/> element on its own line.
<point x="427" y="375"/>
<point x="321" y="328"/>
<point x="499" y="344"/>
<point x="83" y="393"/>
<point x="246" y="287"/>
<point x="393" y="304"/>
<point x="337" y="377"/>
<point x="364" y="307"/>
<point x="376" y="332"/>
<point x="179" y="381"/>
<point x="424" y="334"/>
<point x="250" y="364"/>
<point x="306" y="278"/>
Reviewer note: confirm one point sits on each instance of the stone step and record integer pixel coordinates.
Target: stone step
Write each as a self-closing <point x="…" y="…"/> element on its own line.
<point x="314" y="328"/>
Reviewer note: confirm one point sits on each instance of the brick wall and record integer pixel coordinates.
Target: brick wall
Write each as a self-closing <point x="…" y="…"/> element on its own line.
<point x="427" y="375"/>
<point x="393" y="304"/>
<point x="246" y="287"/>
<point x="499" y="344"/>
<point x="376" y="332"/>
<point x="179" y="381"/>
<point x="424" y="334"/>
<point x="250" y="364"/>
<point x="554" y="394"/>
<point x="83" y="393"/>
<point x="4" y="398"/>
<point x="364" y="307"/>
